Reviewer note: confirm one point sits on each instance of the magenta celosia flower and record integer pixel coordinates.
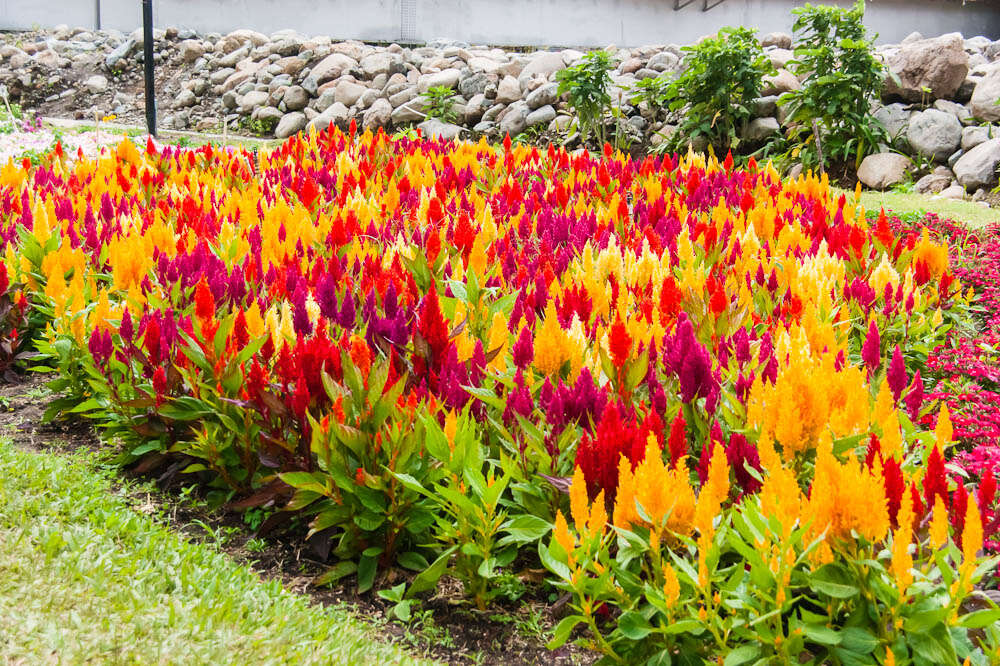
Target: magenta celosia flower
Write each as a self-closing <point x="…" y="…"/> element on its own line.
<point x="524" y="349"/>
<point x="896" y="374"/>
<point x="871" y="353"/>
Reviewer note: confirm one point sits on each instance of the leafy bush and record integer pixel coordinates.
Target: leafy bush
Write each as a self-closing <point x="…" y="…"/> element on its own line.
<point x="588" y="85"/>
<point x="722" y="77"/>
<point x="441" y="104"/>
<point x="842" y="79"/>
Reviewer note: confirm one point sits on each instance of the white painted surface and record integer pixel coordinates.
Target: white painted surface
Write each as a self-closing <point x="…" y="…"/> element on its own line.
<point x="520" y="22"/>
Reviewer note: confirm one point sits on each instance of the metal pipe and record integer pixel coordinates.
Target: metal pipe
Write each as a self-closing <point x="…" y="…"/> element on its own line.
<point x="97" y="14"/>
<point x="147" y="62"/>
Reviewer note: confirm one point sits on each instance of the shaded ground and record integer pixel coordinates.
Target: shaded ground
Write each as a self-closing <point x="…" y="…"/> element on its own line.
<point x="444" y="627"/>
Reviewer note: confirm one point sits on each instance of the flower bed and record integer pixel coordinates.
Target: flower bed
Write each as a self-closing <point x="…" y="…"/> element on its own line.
<point x="694" y="395"/>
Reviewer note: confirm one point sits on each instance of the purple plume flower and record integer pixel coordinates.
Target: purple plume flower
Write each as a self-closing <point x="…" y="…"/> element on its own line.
<point x="870" y="351"/>
<point x="896" y="374"/>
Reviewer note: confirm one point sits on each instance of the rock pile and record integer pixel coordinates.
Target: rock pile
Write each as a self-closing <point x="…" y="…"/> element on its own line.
<point x="938" y="106"/>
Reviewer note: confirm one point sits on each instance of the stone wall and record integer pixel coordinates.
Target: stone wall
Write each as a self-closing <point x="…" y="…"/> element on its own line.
<point x="940" y="112"/>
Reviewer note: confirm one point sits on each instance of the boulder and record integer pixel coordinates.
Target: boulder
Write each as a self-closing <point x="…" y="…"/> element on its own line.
<point x="931" y="184"/>
<point x="190" y="50"/>
<point x="377" y="115"/>
<point x="296" y="98"/>
<point x="332" y="67"/>
<point x="952" y="192"/>
<point x="761" y="129"/>
<point x="782" y="40"/>
<point x="960" y="111"/>
<point x="977" y="134"/>
<point x="184" y="99"/>
<point x="474" y="84"/>
<point x="433" y="128"/>
<point x="380" y="63"/>
<point x="985" y="96"/>
<point x="896" y="120"/>
<point x="96" y="84"/>
<point x="978" y="167"/>
<point x="544" y="63"/>
<point x="934" y="134"/>
<point x="543" y="95"/>
<point x="448" y="78"/>
<point x="252" y="100"/>
<point x="782" y="82"/>
<point x="663" y="61"/>
<point x="541" y="116"/>
<point x="883" y="170"/>
<point x="337" y="114"/>
<point x="290" y="123"/>
<point x="409" y="112"/>
<point x="515" y="119"/>
<point x="939" y="64"/>
<point x="508" y="90"/>
<point x="348" y="92"/>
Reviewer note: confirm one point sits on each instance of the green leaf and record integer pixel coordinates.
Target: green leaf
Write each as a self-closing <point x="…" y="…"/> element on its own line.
<point x="412" y="560"/>
<point x="833" y="581"/>
<point x="367" y="567"/>
<point x="336" y="572"/>
<point x="822" y="634"/>
<point x="858" y="640"/>
<point x="980" y="619"/>
<point x="562" y="631"/>
<point x="742" y="655"/>
<point x="634" y="626"/>
<point x="428" y="578"/>
<point x="524" y="528"/>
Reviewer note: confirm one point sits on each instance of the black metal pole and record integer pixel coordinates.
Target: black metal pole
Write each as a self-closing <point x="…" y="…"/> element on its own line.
<point x="97" y="14"/>
<point x="147" y="61"/>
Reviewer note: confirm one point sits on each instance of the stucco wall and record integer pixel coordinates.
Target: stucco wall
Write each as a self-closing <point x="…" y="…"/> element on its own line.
<point x="527" y="22"/>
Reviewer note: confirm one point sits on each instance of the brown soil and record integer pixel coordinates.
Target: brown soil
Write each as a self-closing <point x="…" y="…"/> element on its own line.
<point x="453" y="633"/>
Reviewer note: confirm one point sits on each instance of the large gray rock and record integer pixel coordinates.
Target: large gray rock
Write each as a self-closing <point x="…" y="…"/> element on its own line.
<point x="544" y="63"/>
<point x="934" y="134"/>
<point x="543" y="96"/>
<point x="977" y="134"/>
<point x="348" y="92"/>
<point x="448" y="78"/>
<point x="377" y="115"/>
<point x="761" y="129"/>
<point x="781" y="82"/>
<point x="252" y="100"/>
<point x="663" y="61"/>
<point x="290" y="124"/>
<point x="515" y="119"/>
<point x="474" y="84"/>
<point x="380" y="63"/>
<point x="190" y="50"/>
<point x="337" y="114"/>
<point x="185" y="99"/>
<point x="508" y="90"/>
<point x="332" y="67"/>
<point x="932" y="183"/>
<point x="541" y="116"/>
<point x="883" y="170"/>
<point x="782" y="40"/>
<point x="296" y="98"/>
<point x="119" y="53"/>
<point x="896" y="120"/>
<point x="960" y="111"/>
<point x="978" y="167"/>
<point x="985" y="96"/>
<point x="939" y="65"/>
<point x="433" y="128"/>
<point x="96" y="84"/>
<point x="409" y="112"/>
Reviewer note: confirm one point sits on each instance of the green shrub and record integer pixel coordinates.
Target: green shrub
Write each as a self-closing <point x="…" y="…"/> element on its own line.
<point x="441" y="104"/>
<point x="842" y="77"/>
<point x="588" y="84"/>
<point x="722" y="77"/>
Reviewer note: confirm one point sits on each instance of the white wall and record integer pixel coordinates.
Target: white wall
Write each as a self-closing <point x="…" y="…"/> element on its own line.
<point x="513" y="22"/>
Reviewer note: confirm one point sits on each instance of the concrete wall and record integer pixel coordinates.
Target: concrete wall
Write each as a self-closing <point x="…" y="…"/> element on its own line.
<point x="503" y="22"/>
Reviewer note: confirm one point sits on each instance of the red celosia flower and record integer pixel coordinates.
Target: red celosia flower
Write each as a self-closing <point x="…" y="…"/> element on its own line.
<point x="935" y="480"/>
<point x="432" y="324"/>
<point x="204" y="302"/>
<point x="160" y="384"/>
<point x="896" y="374"/>
<point x="677" y="443"/>
<point x="619" y="343"/>
<point x="895" y="486"/>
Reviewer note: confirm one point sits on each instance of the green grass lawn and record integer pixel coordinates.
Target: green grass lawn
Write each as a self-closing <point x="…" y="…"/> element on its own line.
<point x="971" y="213"/>
<point x="85" y="579"/>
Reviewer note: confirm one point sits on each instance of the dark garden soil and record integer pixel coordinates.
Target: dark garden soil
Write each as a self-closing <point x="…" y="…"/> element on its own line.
<point x="445" y="627"/>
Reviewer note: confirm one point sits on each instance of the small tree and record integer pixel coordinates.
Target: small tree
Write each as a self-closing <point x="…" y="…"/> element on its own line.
<point x="842" y="78"/>
<point x="723" y="75"/>
<point x="588" y="84"/>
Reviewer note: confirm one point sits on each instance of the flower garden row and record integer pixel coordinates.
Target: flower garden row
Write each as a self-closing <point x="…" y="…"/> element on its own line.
<point x="709" y="402"/>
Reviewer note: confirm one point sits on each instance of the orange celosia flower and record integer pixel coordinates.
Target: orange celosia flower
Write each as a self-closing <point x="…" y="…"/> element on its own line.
<point x="664" y="494"/>
<point x="902" y="561"/>
<point x="671" y="586"/>
<point x="939" y="524"/>
<point x="845" y="498"/>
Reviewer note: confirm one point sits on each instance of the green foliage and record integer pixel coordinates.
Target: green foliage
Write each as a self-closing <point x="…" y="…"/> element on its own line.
<point x="588" y="84"/>
<point x="722" y="77"/>
<point x="441" y="104"/>
<point x="654" y="92"/>
<point x="842" y="78"/>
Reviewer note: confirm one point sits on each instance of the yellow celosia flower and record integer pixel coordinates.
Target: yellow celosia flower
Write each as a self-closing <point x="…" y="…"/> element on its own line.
<point x="562" y="534"/>
<point x="846" y="498"/>
<point x="943" y="431"/>
<point x="972" y="533"/>
<point x="902" y="560"/>
<point x="671" y="586"/>
<point x="664" y="494"/>
<point x="578" y="499"/>
<point x="939" y="524"/>
<point x="551" y="348"/>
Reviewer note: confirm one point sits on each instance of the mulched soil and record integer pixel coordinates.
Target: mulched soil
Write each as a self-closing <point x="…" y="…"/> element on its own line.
<point x="456" y="633"/>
